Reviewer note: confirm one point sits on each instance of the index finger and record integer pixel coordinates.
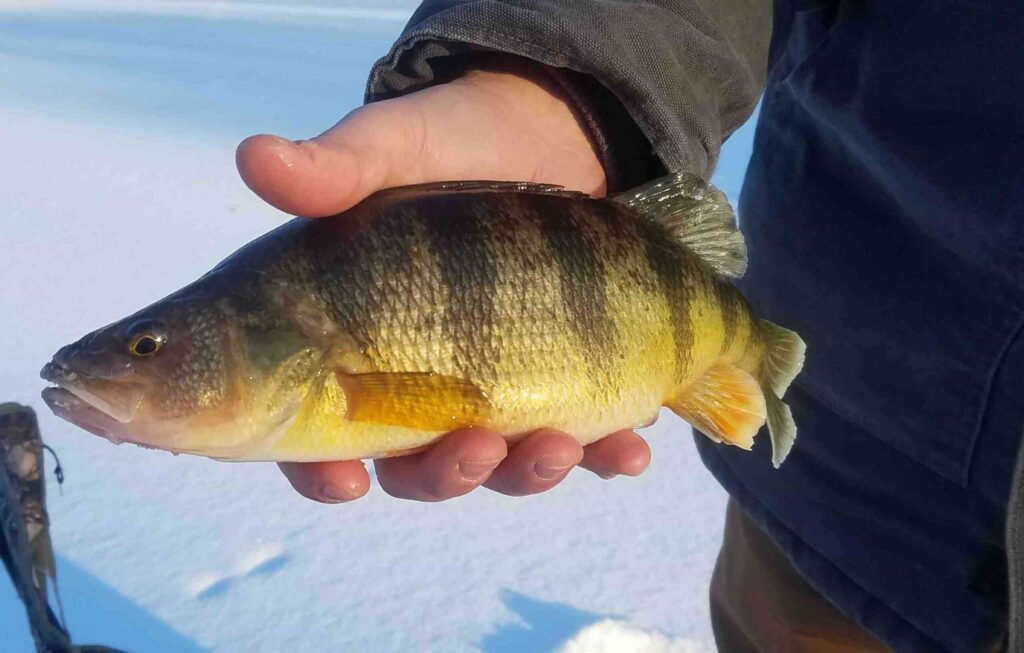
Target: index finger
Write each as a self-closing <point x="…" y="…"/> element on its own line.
<point x="622" y="452"/>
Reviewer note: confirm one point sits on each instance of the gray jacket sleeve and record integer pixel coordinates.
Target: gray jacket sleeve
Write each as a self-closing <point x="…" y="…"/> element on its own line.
<point x="686" y="72"/>
<point x="1015" y="558"/>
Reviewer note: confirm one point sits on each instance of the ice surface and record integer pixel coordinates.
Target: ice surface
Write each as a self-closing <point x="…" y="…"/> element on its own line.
<point x="613" y="636"/>
<point x="118" y="186"/>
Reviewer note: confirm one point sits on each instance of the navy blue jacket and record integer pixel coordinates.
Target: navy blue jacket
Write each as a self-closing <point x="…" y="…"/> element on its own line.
<point x="884" y="214"/>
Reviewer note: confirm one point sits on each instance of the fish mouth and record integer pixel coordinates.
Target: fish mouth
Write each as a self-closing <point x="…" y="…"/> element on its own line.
<point x="67" y="406"/>
<point x="80" y="399"/>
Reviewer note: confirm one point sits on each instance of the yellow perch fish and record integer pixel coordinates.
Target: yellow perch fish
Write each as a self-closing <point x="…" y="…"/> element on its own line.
<point x="512" y="306"/>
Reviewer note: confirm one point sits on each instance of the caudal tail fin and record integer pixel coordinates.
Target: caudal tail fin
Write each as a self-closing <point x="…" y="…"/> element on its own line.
<point x="783" y="360"/>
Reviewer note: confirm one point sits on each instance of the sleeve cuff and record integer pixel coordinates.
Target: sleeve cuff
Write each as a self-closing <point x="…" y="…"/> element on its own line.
<point x="686" y="73"/>
<point x="626" y="154"/>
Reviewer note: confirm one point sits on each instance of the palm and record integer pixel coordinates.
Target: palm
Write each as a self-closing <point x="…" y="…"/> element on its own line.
<point x="487" y="125"/>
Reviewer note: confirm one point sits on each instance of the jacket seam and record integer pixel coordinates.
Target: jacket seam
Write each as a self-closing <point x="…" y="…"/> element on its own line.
<point x="990" y="384"/>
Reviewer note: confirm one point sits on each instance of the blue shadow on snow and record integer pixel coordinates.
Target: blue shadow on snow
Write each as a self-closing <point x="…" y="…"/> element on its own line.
<point x="177" y="73"/>
<point x="271" y="566"/>
<point x="220" y="588"/>
<point x="543" y="628"/>
<point x="96" y="614"/>
<point x="265" y="568"/>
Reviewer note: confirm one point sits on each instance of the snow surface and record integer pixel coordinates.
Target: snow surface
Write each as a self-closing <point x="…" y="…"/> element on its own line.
<point x="118" y="186"/>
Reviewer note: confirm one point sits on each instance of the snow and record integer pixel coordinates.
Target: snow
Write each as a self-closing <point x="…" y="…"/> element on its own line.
<point x="118" y="187"/>
<point x="613" y="636"/>
<point x="259" y="10"/>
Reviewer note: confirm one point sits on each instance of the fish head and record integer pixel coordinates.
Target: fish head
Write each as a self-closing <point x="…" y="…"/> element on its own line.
<point x="161" y="378"/>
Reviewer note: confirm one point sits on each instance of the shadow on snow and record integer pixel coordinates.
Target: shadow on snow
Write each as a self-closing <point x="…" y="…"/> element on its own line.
<point x="96" y="614"/>
<point x="543" y="625"/>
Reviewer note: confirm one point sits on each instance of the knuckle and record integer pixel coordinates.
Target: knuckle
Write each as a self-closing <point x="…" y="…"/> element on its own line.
<point x="521" y="482"/>
<point x="440" y="487"/>
<point x="391" y="483"/>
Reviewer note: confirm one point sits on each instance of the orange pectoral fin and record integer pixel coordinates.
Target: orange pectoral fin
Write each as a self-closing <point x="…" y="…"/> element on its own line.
<point x="418" y="400"/>
<point x="725" y="404"/>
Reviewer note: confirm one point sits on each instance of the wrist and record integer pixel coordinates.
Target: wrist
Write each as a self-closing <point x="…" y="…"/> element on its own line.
<point x="535" y="97"/>
<point x="578" y="105"/>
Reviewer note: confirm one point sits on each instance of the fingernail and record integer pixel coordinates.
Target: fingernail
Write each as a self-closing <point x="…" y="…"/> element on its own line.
<point x="608" y="476"/>
<point x="549" y="472"/>
<point x="473" y="471"/>
<point x="333" y="494"/>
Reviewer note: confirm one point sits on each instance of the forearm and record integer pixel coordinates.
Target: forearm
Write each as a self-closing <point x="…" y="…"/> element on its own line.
<point x="681" y="74"/>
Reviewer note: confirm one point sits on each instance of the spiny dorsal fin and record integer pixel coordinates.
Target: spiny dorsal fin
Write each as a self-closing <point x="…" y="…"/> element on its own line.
<point x="698" y="215"/>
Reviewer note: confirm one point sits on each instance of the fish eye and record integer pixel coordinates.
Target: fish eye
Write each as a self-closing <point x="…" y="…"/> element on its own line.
<point x="146" y="337"/>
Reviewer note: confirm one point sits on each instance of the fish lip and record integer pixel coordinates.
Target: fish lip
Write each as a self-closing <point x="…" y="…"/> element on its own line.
<point x="82" y="414"/>
<point x="54" y="372"/>
<point x="74" y="361"/>
<point x="74" y="384"/>
<point x="67" y="406"/>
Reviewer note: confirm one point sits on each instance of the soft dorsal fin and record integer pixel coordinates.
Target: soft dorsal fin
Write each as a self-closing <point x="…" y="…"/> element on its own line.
<point x="698" y="215"/>
<point x="485" y="186"/>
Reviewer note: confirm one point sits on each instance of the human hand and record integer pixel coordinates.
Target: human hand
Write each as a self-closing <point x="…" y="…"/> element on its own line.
<point x="506" y="123"/>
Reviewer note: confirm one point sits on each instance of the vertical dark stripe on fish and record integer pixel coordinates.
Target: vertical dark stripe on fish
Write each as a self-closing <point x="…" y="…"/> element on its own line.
<point x="350" y="272"/>
<point x="571" y="236"/>
<point x="670" y="269"/>
<point x="394" y="238"/>
<point x="624" y="246"/>
<point x="726" y="300"/>
<point x="462" y="242"/>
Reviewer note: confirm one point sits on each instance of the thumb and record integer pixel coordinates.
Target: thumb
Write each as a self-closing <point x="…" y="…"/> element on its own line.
<point x="324" y="175"/>
<point x="486" y="125"/>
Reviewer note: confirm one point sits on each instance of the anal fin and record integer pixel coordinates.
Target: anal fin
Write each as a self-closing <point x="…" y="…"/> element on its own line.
<point x="417" y="400"/>
<point x="725" y="403"/>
